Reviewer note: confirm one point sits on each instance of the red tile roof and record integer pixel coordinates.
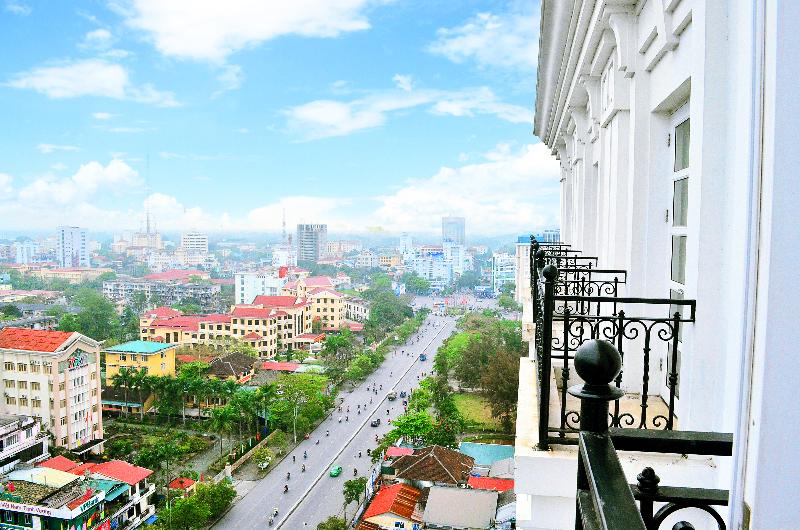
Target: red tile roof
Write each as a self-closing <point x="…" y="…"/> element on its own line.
<point x="435" y="464"/>
<point x="216" y="317"/>
<point x="318" y="290"/>
<point x="60" y="463"/>
<point x="491" y="483"/>
<point x="222" y="281"/>
<point x="33" y="339"/>
<point x="278" y="301"/>
<point x="123" y="471"/>
<point x="280" y="366"/>
<point x="172" y="275"/>
<point x="79" y="470"/>
<point x="398" y="451"/>
<point x="186" y="322"/>
<point x="318" y="281"/>
<point x="252" y="312"/>
<point x="398" y="499"/>
<point x="252" y="336"/>
<point x="314" y="337"/>
<point x="188" y="358"/>
<point x="353" y="326"/>
<point x="162" y="312"/>
<point x="181" y="483"/>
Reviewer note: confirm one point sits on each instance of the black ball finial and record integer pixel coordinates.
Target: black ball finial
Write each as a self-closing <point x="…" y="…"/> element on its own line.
<point x="540" y="254"/>
<point x="550" y="272"/>
<point x="597" y="361"/>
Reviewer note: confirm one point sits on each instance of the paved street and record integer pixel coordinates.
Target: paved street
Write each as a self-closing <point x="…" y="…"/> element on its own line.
<point x="313" y="495"/>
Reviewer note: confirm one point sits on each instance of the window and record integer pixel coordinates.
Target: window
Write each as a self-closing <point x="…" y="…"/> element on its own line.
<point x="11" y="400"/>
<point x="63" y="420"/>
<point x="681" y="128"/>
<point x="36" y="403"/>
<point x="34" y="368"/>
<point x="48" y="368"/>
<point x="63" y="403"/>
<point x="23" y="402"/>
<point x="61" y="386"/>
<point x="133" y="358"/>
<point x="9" y="367"/>
<point x="36" y="386"/>
<point x="9" y="383"/>
<point x="22" y="367"/>
<point x="23" y="385"/>
<point x="64" y="441"/>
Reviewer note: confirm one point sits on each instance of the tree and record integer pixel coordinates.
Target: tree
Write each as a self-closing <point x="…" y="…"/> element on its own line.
<point x="263" y="454"/>
<point x="97" y="318"/>
<point x="332" y="523"/>
<point x="352" y="491"/>
<point x="10" y="311"/>
<point x="124" y="379"/>
<point x="413" y="426"/>
<point x="217" y="497"/>
<point x="223" y="420"/>
<point x="300" y="399"/>
<point x="500" y="383"/>
<point x="415" y="283"/>
<point x="186" y="514"/>
<point x="188" y="308"/>
<point x="129" y="325"/>
<point x="468" y="280"/>
<point x="470" y="366"/>
<point x="507" y="302"/>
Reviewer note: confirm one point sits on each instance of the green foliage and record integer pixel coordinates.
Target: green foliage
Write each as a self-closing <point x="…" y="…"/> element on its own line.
<point x="352" y="491"/>
<point x="507" y="302"/>
<point x="188" y="308"/>
<point x="500" y="382"/>
<point x="97" y="318"/>
<point x="332" y="523"/>
<point x="415" y="283"/>
<point x="262" y="454"/>
<point x="186" y="514"/>
<point x="300" y="400"/>
<point x="468" y="280"/>
<point x="455" y="345"/>
<point x="119" y="448"/>
<point x="217" y="497"/>
<point x="10" y="311"/>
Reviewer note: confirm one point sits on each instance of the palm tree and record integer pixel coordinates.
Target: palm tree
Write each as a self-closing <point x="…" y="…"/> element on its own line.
<point x="139" y="380"/>
<point x="222" y="422"/>
<point x="123" y="379"/>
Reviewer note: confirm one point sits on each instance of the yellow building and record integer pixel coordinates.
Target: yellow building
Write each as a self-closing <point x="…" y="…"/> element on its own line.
<point x="327" y="305"/>
<point x="74" y="275"/>
<point x="155" y="358"/>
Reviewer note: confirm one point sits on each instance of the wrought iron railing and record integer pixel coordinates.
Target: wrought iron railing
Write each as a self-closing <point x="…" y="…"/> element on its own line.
<point x="584" y="304"/>
<point x="604" y="498"/>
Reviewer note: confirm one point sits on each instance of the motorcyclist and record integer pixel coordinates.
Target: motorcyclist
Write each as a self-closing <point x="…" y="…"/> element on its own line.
<point x="303" y="468"/>
<point x="286" y="488"/>
<point x="355" y="472"/>
<point x="359" y="454"/>
<point x="305" y="454"/>
<point x="327" y="433"/>
<point x="288" y="475"/>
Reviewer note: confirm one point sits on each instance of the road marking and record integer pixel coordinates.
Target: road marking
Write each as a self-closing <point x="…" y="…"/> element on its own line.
<point x="355" y="433"/>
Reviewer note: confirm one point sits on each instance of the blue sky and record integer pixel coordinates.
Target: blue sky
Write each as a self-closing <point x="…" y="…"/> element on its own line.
<point x="221" y="115"/>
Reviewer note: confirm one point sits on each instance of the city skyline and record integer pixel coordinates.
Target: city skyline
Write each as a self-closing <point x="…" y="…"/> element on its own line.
<point x="327" y="114"/>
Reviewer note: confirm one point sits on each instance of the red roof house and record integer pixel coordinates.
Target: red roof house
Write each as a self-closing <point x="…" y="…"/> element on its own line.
<point x="280" y="366"/>
<point x="395" y="451"/>
<point x="491" y="483"/>
<point x="161" y="312"/>
<point x="33" y="339"/>
<point x="392" y="502"/>
<point x="61" y="463"/>
<point x="122" y="471"/>
<point x="278" y="301"/>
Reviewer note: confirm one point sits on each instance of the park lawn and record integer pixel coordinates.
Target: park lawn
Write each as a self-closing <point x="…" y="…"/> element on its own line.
<point x="475" y="410"/>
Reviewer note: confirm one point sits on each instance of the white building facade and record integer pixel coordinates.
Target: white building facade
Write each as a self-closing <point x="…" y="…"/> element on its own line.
<point x="25" y="252"/>
<point x="53" y="376"/>
<point x="21" y="440"/>
<point x="248" y="285"/>
<point x="71" y="248"/>
<point x="675" y="126"/>
<point x="504" y="270"/>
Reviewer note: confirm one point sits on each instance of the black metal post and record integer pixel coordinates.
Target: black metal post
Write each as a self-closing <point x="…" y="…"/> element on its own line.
<point x="550" y="274"/>
<point x="597" y="362"/>
<point x="647" y="484"/>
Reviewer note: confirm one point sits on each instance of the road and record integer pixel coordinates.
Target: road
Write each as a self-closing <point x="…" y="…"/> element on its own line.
<point x="313" y="495"/>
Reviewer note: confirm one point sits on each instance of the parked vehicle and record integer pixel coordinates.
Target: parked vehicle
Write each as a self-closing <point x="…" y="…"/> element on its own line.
<point x="375" y="423"/>
<point x="336" y="471"/>
<point x="391" y="396"/>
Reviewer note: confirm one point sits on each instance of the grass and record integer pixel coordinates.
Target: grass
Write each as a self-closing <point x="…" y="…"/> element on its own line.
<point x="476" y="412"/>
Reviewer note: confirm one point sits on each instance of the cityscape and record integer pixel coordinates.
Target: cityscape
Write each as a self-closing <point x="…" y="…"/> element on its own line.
<point x="398" y="265"/>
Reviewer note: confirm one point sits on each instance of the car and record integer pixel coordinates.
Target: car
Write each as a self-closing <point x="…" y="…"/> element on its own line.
<point x="376" y="422"/>
<point x="423" y="357"/>
<point x="391" y="396"/>
<point x="403" y="393"/>
<point x="336" y="471"/>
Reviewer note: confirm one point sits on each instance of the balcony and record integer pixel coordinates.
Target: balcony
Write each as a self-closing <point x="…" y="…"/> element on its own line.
<point x="580" y="304"/>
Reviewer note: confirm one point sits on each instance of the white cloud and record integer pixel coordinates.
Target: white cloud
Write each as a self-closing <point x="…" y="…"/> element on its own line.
<point x="18" y="8"/>
<point x="128" y="129"/>
<point x="102" y="115"/>
<point x="508" y="40"/>
<point x="47" y="149"/>
<point x="90" y="77"/>
<point x="5" y="184"/>
<point x="326" y="118"/>
<point x="509" y="192"/>
<point x="58" y="166"/>
<point x="403" y="82"/>
<point x="231" y="77"/>
<point x="97" y="39"/>
<point x="212" y="30"/>
<point x="90" y="180"/>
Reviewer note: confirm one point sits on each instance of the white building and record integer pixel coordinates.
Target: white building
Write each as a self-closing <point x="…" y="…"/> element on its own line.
<point x="406" y="247"/>
<point x="25" y="251"/>
<point x="284" y="255"/>
<point x="453" y="230"/>
<point x="21" y="440"/>
<point x="248" y="285"/>
<point x="356" y="309"/>
<point x="312" y="241"/>
<point x="434" y="268"/>
<point x="458" y="257"/>
<point x="504" y="270"/>
<point x="194" y="243"/>
<point x="675" y="124"/>
<point x="367" y="260"/>
<point x="55" y="376"/>
<point x="71" y="248"/>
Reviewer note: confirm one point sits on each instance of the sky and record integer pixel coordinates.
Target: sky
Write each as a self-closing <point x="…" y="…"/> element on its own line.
<point x="222" y="115"/>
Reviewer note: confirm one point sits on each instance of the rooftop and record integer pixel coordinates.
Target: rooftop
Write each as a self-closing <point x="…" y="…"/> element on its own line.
<point x="33" y="339"/>
<point x="460" y="508"/>
<point x="140" y="346"/>
<point x="435" y="464"/>
<point x="277" y="366"/>
<point x="490" y="483"/>
<point x="181" y="483"/>
<point x="278" y="301"/>
<point x="486" y="454"/>
<point x="175" y="274"/>
<point x="398" y="499"/>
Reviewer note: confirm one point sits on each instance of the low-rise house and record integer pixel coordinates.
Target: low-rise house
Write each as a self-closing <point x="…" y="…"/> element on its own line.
<point x="21" y="440"/>
<point x="155" y="358"/>
<point x="185" y="485"/>
<point x="233" y="367"/>
<point x="433" y="465"/>
<point x="394" y="507"/>
<point x="460" y="509"/>
<point x="356" y="309"/>
<point x="49" y="499"/>
<point x="129" y="511"/>
<point x="491" y="484"/>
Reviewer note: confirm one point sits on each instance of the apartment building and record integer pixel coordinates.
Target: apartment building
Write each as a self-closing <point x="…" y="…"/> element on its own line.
<point x="168" y="291"/>
<point x="73" y="275"/>
<point x="674" y="124"/>
<point x="356" y="309"/>
<point x="25" y="252"/>
<point x="54" y="376"/>
<point x="339" y="247"/>
<point x="302" y="285"/>
<point x="453" y="230"/>
<point x="21" y="440"/>
<point x="71" y="248"/>
<point x="312" y="241"/>
<point x="295" y="322"/>
<point x="194" y="243"/>
<point x="155" y="358"/>
<point x="367" y="260"/>
<point x="248" y="285"/>
<point x="503" y="270"/>
<point x="327" y="305"/>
